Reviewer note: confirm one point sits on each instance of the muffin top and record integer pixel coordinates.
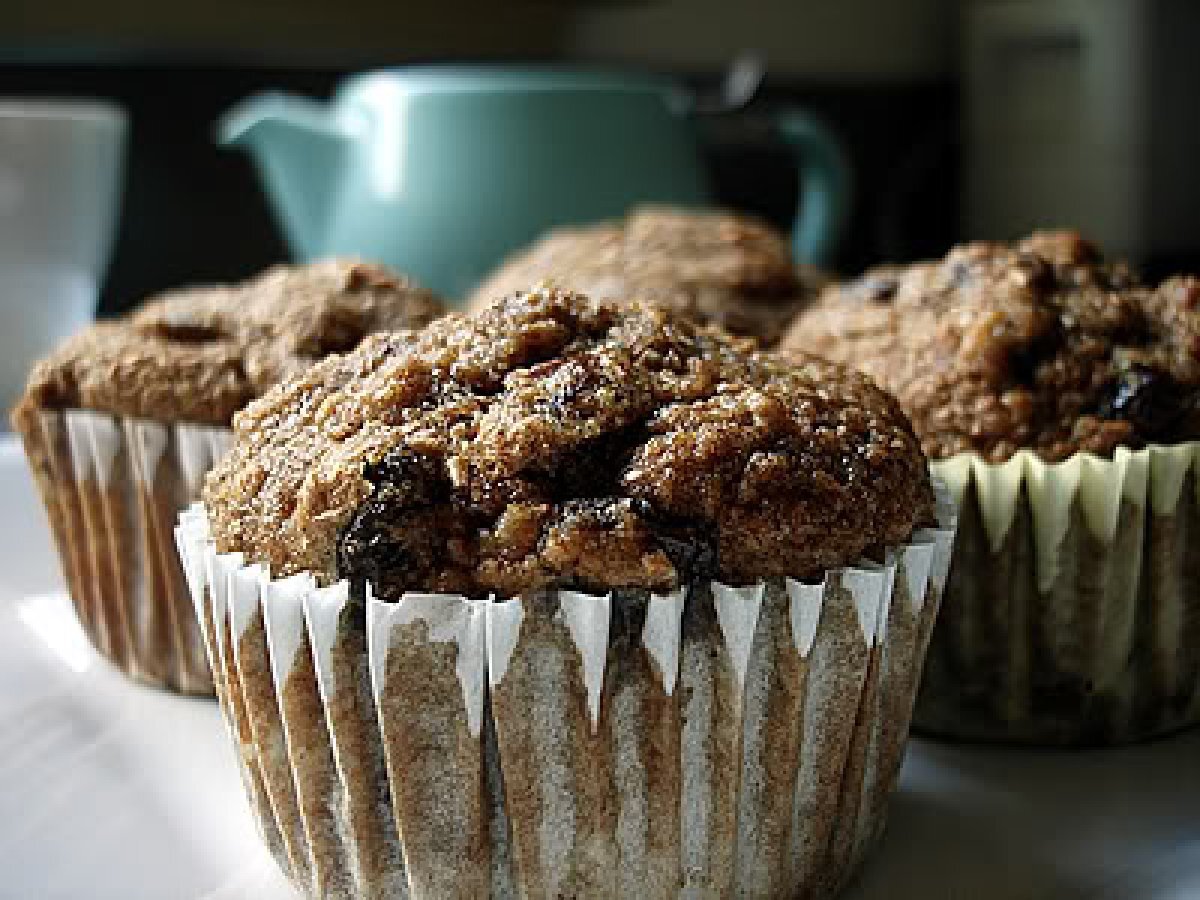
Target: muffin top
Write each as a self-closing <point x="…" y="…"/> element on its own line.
<point x="200" y="354"/>
<point x="1043" y="345"/>
<point x="551" y="440"/>
<point x="716" y="267"/>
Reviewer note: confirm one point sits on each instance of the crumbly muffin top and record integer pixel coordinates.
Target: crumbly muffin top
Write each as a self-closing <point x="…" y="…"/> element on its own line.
<point x="200" y="354"/>
<point x="718" y="267"/>
<point x="550" y="441"/>
<point x="1043" y="345"/>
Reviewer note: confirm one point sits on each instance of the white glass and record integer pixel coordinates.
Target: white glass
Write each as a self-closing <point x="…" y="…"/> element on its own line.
<point x="61" y="173"/>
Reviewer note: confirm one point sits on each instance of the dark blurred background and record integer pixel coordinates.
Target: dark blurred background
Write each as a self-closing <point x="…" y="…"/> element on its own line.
<point x="921" y="94"/>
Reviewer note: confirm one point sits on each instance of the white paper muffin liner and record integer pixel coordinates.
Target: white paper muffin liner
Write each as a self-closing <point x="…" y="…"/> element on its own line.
<point x="711" y="742"/>
<point x="113" y="488"/>
<point x="1072" y="612"/>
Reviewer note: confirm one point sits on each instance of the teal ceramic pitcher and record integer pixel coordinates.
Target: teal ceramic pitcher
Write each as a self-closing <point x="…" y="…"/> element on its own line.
<point x="443" y="171"/>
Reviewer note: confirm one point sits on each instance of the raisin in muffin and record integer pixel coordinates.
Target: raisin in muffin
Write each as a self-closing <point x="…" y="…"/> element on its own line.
<point x="719" y="267"/>
<point x="121" y="421"/>
<point x="1061" y="396"/>
<point x="559" y="564"/>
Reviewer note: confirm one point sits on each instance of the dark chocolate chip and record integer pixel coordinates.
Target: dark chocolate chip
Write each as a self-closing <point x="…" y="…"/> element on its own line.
<point x="1148" y="399"/>
<point x="1040" y="273"/>
<point x="594" y="468"/>
<point x="406" y="479"/>
<point x="340" y="339"/>
<point x="874" y="288"/>
<point x="186" y="332"/>
<point x="690" y="544"/>
<point x="396" y="539"/>
<point x="1025" y="359"/>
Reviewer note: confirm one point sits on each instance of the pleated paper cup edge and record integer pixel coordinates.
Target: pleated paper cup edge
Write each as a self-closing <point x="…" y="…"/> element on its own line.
<point x="1152" y="479"/>
<point x="1144" y="475"/>
<point x="871" y="587"/>
<point x="94" y="442"/>
<point x="870" y="584"/>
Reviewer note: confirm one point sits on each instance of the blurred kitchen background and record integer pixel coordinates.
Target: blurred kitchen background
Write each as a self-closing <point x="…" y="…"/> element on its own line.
<point x="960" y="119"/>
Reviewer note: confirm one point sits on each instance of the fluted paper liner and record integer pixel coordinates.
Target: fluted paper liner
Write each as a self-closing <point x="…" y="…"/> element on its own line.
<point x="1072" y="612"/>
<point x="709" y="742"/>
<point x="113" y="488"/>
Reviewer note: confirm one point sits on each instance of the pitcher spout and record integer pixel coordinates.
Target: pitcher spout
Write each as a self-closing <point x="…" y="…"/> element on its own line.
<point x="299" y="148"/>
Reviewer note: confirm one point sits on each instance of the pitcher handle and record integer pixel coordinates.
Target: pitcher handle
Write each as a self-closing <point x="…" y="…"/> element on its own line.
<point x="825" y="187"/>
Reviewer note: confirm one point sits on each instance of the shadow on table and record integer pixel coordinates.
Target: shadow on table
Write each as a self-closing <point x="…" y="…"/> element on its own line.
<point x="976" y="822"/>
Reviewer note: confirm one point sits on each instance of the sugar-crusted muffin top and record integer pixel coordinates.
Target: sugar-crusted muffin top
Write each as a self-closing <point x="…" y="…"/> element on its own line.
<point x="200" y="354"/>
<point x="551" y="440"/>
<point x="1043" y="345"/>
<point x="712" y="266"/>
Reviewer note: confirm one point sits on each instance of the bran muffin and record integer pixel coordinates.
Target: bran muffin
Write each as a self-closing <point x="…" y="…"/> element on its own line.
<point x="1044" y="346"/>
<point x="544" y="577"/>
<point x="1060" y="396"/>
<point x="711" y="267"/>
<point x="122" y="420"/>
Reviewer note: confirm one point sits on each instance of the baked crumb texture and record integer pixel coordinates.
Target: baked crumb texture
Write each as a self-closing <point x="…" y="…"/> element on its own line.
<point x="556" y="441"/>
<point x="712" y="267"/>
<point x="200" y="354"/>
<point x="1042" y="345"/>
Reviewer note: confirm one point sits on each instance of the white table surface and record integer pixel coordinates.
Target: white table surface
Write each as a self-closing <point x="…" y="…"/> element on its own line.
<point x="110" y="791"/>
